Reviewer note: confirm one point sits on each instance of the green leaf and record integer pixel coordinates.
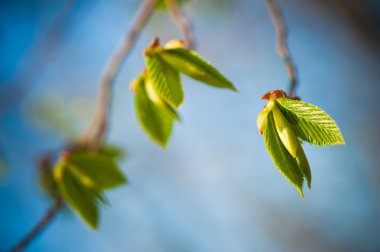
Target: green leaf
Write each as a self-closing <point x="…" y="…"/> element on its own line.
<point x="80" y="199"/>
<point x="96" y="170"/>
<point x="261" y="118"/>
<point x="303" y="163"/>
<point x="285" y="163"/>
<point x="310" y="123"/>
<point x="170" y="111"/>
<point x="165" y="80"/>
<point x="153" y="96"/>
<point x="113" y="151"/>
<point x="190" y="63"/>
<point x="154" y="120"/>
<point x="285" y="132"/>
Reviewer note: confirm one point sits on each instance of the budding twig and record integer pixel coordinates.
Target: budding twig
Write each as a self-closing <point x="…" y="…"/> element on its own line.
<point x="93" y="137"/>
<point x="95" y="134"/>
<point x="282" y="47"/>
<point x="41" y="225"/>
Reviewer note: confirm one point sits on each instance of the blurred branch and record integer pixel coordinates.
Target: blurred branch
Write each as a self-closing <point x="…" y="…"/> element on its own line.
<point x="93" y="137"/>
<point x="282" y="47"/>
<point x="364" y="17"/>
<point x="181" y="21"/>
<point x="41" y="225"/>
<point x="37" y="58"/>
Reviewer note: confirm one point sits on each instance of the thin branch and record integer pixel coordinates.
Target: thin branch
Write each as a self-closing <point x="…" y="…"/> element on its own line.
<point x="181" y="21"/>
<point x="93" y="138"/>
<point x="282" y="47"/>
<point x="41" y="225"/>
<point x="95" y="134"/>
<point x="37" y="58"/>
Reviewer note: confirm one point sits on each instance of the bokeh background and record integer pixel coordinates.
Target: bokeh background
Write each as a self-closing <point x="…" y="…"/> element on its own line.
<point x="215" y="188"/>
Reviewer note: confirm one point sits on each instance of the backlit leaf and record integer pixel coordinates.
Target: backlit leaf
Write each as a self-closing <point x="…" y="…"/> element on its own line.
<point x="285" y="132"/>
<point x="113" y="151"/>
<point x="285" y="163"/>
<point x="153" y="96"/>
<point x="154" y="120"/>
<point x="263" y="116"/>
<point x="165" y="80"/>
<point x="310" y="123"/>
<point x="190" y="63"/>
<point x="80" y="198"/>
<point x="96" y="170"/>
<point x="303" y="163"/>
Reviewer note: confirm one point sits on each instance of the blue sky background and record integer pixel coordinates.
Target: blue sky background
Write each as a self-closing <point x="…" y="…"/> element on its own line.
<point x="215" y="188"/>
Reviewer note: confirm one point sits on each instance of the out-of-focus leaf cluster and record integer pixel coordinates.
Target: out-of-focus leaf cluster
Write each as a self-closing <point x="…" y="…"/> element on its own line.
<point x="81" y="178"/>
<point x="158" y="89"/>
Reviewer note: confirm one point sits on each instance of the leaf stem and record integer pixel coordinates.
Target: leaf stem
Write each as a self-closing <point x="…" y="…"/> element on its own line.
<point x="41" y="225"/>
<point x="282" y="46"/>
<point x="180" y="20"/>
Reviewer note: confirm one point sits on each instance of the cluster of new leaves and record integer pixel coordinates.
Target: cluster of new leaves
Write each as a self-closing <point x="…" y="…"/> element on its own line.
<point x="285" y="123"/>
<point x="82" y="178"/>
<point x="158" y="89"/>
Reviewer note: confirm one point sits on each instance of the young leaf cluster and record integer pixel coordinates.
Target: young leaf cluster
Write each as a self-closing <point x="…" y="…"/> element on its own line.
<point x="82" y="178"/>
<point x="158" y="89"/>
<point x="285" y="123"/>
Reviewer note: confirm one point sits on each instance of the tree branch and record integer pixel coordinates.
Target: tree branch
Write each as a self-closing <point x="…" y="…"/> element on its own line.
<point x="180" y="20"/>
<point x="94" y="136"/>
<point x="41" y="225"/>
<point x="282" y="47"/>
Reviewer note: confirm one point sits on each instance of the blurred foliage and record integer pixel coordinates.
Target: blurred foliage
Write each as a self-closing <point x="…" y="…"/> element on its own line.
<point x="82" y="178"/>
<point x="158" y="89"/>
<point x="113" y="151"/>
<point x="45" y="167"/>
<point x="52" y="112"/>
